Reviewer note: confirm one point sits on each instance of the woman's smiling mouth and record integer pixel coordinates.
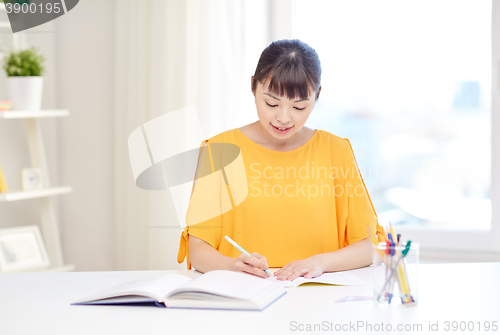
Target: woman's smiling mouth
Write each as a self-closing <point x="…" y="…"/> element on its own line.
<point x="281" y="130"/>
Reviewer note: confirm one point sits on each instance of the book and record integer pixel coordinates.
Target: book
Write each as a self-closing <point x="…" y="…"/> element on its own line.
<point x="218" y="289"/>
<point x="327" y="278"/>
<point x="4" y="106"/>
<point x="3" y="183"/>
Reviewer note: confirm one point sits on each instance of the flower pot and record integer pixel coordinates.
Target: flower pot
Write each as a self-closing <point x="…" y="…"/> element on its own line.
<point x="25" y="93"/>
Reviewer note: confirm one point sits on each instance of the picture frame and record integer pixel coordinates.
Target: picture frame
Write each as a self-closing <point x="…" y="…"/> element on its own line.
<point x="31" y="179"/>
<point x="22" y="249"/>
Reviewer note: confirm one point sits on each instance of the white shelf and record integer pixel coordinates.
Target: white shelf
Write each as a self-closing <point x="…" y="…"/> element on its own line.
<point x="46" y="192"/>
<point x="34" y="114"/>
<point x="5" y="25"/>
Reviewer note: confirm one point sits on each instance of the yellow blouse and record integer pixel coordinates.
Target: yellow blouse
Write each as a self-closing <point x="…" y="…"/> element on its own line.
<point x="283" y="205"/>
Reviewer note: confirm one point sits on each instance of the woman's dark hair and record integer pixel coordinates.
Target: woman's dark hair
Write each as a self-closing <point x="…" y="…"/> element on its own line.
<point x="292" y="68"/>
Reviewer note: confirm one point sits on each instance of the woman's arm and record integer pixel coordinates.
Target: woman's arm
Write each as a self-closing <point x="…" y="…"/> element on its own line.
<point x="205" y="258"/>
<point x="356" y="255"/>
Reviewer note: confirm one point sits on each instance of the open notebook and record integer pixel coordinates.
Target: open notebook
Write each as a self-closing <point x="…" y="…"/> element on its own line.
<point x="217" y="289"/>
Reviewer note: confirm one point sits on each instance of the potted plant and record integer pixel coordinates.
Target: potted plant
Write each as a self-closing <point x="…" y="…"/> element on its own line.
<point x="25" y="82"/>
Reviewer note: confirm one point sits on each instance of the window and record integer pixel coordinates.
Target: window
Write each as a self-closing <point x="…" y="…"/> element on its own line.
<point x="409" y="83"/>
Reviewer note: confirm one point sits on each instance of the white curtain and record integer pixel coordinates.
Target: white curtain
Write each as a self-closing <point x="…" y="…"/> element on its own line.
<point x="172" y="54"/>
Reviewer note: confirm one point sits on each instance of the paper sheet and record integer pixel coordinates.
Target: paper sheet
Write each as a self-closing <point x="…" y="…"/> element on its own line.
<point x="331" y="278"/>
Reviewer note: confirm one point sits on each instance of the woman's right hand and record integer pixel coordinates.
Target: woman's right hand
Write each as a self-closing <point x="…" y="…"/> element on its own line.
<point x="255" y="264"/>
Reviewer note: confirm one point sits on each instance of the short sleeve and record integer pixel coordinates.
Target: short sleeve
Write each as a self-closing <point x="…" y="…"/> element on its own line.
<point x="361" y="212"/>
<point x="203" y="217"/>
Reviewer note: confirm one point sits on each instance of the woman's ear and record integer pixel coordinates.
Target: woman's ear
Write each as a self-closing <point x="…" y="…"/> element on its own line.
<point x="251" y="85"/>
<point x="317" y="94"/>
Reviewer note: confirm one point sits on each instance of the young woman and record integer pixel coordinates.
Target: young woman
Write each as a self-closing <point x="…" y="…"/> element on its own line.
<point x="306" y="208"/>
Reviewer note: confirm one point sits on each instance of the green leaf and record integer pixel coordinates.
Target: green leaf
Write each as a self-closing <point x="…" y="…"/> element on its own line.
<point x="26" y="62"/>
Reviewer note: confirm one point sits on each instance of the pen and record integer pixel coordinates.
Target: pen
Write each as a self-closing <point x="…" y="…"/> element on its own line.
<point x="392" y="230"/>
<point x="388" y="266"/>
<point x="242" y="250"/>
<point x="402" y="276"/>
<point x="391" y="253"/>
<point x="403" y="285"/>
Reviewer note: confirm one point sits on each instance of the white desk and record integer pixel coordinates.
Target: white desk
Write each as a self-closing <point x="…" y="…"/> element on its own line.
<point x="39" y="303"/>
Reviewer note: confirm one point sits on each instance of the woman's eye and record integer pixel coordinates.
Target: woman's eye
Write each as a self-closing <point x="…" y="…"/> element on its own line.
<point x="300" y="109"/>
<point x="271" y="105"/>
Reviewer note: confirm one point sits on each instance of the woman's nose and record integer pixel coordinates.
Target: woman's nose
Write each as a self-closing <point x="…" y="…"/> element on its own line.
<point x="284" y="117"/>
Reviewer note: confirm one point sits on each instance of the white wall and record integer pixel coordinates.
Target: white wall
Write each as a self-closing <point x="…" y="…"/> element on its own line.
<point x="84" y="52"/>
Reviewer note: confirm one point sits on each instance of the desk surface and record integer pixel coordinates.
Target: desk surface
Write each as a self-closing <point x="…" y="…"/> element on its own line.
<point x="39" y="303"/>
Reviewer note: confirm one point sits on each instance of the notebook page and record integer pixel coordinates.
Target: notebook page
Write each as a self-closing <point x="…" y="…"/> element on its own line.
<point x="227" y="283"/>
<point x="156" y="288"/>
<point x="332" y="278"/>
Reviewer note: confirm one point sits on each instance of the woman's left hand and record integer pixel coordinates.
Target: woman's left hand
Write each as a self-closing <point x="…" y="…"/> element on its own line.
<point x="309" y="268"/>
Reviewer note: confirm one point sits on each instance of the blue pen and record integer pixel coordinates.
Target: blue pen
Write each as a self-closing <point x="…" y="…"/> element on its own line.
<point x="392" y="247"/>
<point x="242" y="250"/>
<point x="391" y="252"/>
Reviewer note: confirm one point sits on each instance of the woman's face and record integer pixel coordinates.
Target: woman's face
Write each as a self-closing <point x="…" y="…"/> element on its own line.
<point x="280" y="116"/>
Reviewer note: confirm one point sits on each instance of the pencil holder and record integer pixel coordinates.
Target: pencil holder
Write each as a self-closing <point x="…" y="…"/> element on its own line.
<point x="395" y="274"/>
